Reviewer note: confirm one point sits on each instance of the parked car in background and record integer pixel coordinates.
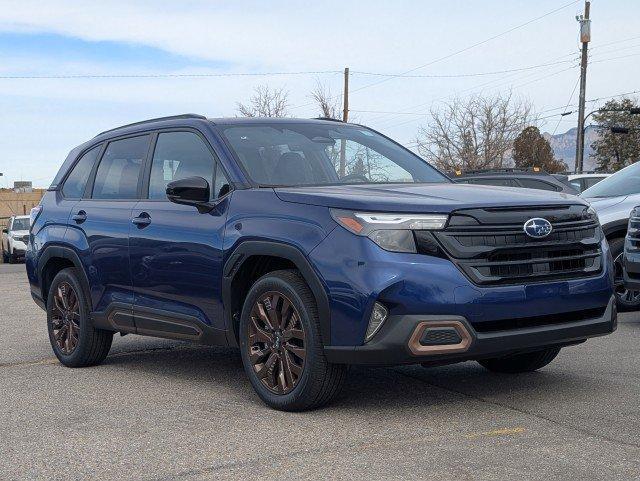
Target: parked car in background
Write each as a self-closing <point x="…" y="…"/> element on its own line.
<point x="632" y="252"/>
<point x="582" y="182"/>
<point x="614" y="198"/>
<point x="15" y="238"/>
<point x="529" y="179"/>
<point x="268" y="235"/>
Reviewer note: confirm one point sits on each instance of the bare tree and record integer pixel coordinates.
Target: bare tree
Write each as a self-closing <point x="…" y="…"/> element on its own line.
<point x="266" y="102"/>
<point x="473" y="133"/>
<point x="328" y="104"/>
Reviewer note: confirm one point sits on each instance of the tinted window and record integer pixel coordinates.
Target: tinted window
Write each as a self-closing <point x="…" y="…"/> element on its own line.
<point x="537" y="184"/>
<point x="496" y="182"/>
<point x="623" y="182"/>
<point x="119" y="169"/>
<point x="179" y="155"/>
<point x="77" y="180"/>
<point x="591" y="181"/>
<point x="221" y="186"/>
<point x="20" y="224"/>
<point x="324" y="153"/>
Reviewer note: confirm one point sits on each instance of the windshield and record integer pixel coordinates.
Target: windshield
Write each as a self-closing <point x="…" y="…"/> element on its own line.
<point x="20" y="224"/>
<point x="623" y="182"/>
<point x="290" y="154"/>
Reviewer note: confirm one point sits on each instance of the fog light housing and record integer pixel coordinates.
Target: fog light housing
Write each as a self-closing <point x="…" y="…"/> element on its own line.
<point x="379" y="314"/>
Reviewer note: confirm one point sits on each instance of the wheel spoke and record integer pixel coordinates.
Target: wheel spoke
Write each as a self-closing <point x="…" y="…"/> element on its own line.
<point x="282" y="380"/>
<point x="258" y="334"/>
<point x="293" y="334"/>
<point x="258" y="355"/>
<point x="272" y="311"/>
<point x="300" y="352"/>
<point x="263" y="315"/>
<point x="290" y="368"/>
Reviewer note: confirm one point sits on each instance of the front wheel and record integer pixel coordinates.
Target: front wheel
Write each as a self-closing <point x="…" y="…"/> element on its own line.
<point x="281" y="346"/>
<point x="517" y="363"/>
<point x="626" y="299"/>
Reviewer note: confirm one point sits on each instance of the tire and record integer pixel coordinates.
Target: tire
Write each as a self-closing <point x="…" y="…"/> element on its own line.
<point x="12" y="258"/>
<point x="527" y="362"/>
<point x="319" y="381"/>
<point x="5" y="257"/>
<point x="626" y="299"/>
<point x="91" y="345"/>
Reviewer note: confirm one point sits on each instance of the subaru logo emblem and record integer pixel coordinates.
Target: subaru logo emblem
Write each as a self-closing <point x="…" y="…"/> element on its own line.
<point x="538" y="228"/>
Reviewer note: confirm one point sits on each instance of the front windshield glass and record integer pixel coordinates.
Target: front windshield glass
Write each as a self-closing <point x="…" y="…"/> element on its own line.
<point x="20" y="224"/>
<point x="623" y="182"/>
<point x="292" y="154"/>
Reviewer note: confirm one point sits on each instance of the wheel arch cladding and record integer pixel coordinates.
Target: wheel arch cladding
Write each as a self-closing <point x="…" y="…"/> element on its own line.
<point x="53" y="260"/>
<point x="252" y="259"/>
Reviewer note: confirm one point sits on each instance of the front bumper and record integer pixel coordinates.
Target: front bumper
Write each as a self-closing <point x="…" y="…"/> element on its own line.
<point x="396" y="341"/>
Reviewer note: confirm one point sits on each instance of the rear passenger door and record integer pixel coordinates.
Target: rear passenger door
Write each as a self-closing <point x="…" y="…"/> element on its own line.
<point x="176" y="251"/>
<point x="100" y="223"/>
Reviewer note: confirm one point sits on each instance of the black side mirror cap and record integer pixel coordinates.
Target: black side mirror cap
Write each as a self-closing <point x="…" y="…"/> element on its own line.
<point x="189" y="191"/>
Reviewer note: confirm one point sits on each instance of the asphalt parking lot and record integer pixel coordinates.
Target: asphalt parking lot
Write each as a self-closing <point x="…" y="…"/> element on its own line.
<point x="163" y="410"/>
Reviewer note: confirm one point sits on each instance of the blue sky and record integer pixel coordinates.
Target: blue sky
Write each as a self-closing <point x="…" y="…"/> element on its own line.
<point x="42" y="119"/>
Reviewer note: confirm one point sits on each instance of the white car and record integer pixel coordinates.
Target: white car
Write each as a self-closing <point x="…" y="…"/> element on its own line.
<point x="15" y="239"/>
<point x="583" y="181"/>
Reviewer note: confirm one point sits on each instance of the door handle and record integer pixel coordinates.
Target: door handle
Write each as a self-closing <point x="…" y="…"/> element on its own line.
<point x="80" y="217"/>
<point x="142" y="220"/>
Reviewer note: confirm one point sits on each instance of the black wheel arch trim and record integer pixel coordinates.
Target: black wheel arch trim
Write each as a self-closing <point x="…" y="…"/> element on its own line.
<point x="616" y="227"/>
<point x="249" y="248"/>
<point x="58" y="251"/>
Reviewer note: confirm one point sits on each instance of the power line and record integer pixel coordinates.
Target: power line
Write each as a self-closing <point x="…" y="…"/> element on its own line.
<point x="167" y="75"/>
<point x="470" y="47"/>
<point x="567" y="106"/>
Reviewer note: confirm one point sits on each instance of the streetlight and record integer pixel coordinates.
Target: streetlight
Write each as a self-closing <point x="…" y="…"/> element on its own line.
<point x="580" y="160"/>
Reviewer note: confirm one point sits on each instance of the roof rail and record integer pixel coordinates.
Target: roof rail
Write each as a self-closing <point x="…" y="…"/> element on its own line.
<point x="331" y="119"/>
<point x="506" y="170"/>
<point x="170" y="117"/>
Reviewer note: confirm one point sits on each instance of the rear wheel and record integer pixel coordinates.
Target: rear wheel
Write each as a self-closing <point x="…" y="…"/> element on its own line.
<point x="627" y="299"/>
<point x="527" y="362"/>
<point x="12" y="258"/>
<point x="281" y="347"/>
<point x="75" y="342"/>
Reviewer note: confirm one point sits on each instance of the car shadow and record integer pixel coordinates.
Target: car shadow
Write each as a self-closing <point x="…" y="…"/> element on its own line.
<point x="370" y="388"/>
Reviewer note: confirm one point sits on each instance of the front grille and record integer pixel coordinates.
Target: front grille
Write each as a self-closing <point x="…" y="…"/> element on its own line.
<point x="633" y="234"/>
<point x="538" y="321"/>
<point x="491" y="247"/>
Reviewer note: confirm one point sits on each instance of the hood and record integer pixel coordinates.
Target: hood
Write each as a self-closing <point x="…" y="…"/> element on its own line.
<point x="601" y="203"/>
<point x="441" y="197"/>
<point x="19" y="232"/>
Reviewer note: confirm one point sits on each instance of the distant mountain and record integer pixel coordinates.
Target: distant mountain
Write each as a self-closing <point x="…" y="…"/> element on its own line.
<point x="564" y="147"/>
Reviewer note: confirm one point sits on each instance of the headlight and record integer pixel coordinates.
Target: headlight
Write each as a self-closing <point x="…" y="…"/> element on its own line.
<point x="392" y="232"/>
<point x="16" y="237"/>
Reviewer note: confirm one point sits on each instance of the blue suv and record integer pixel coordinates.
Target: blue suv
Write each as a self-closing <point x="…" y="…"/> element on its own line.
<point x="310" y="245"/>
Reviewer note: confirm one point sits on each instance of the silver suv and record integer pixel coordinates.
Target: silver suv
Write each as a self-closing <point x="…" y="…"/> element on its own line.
<point x="613" y="199"/>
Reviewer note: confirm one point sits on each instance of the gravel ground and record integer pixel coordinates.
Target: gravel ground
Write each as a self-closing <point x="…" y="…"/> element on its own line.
<point x="167" y="410"/>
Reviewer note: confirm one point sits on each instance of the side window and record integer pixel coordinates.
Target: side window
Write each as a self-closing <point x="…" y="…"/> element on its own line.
<point x="537" y="184"/>
<point x="591" y="181"/>
<point x="221" y="185"/>
<point x="119" y="169"/>
<point x="179" y="155"/>
<point x="76" y="182"/>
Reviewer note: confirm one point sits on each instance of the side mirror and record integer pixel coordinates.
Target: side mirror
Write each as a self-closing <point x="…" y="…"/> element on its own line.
<point x="189" y="191"/>
<point x="5" y="231"/>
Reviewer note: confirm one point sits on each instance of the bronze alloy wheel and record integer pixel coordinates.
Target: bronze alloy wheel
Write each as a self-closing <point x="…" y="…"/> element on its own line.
<point x="276" y="342"/>
<point x="65" y="318"/>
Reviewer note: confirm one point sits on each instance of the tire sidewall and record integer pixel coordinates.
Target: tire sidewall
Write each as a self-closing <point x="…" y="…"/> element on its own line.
<point x="616" y="246"/>
<point x="313" y="344"/>
<point x="76" y="357"/>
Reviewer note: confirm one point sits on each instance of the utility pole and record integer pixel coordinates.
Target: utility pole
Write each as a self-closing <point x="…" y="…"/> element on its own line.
<point x="585" y="38"/>
<point x="345" y="118"/>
